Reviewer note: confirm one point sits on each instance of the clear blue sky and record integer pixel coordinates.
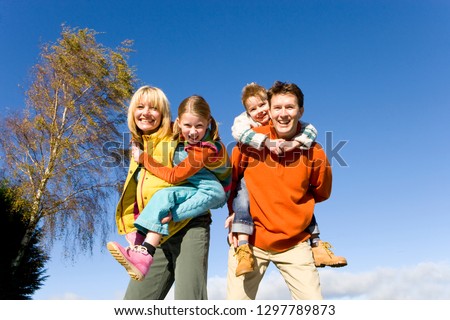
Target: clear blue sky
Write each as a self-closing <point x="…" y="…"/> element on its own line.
<point x="375" y="74"/>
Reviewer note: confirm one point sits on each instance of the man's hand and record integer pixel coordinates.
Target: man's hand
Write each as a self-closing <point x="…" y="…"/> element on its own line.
<point x="232" y="237"/>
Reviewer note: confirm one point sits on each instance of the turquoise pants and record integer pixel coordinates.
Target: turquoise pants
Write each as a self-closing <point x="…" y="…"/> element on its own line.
<point x="203" y="192"/>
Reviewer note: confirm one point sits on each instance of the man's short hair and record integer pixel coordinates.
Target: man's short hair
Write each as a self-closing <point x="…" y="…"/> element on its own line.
<point x="286" y="88"/>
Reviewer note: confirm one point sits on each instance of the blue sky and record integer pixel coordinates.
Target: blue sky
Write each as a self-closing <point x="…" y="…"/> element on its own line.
<point x="375" y="74"/>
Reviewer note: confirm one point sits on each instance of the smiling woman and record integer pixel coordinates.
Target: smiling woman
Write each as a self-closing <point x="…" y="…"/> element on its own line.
<point x="149" y="121"/>
<point x="147" y="117"/>
<point x="178" y="250"/>
<point x="149" y="113"/>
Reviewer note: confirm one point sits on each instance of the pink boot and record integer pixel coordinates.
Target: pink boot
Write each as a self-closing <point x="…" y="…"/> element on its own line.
<point x="135" y="238"/>
<point x="135" y="259"/>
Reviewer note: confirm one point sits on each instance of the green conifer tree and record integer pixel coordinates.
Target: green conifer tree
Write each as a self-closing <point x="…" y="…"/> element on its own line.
<point x="30" y="273"/>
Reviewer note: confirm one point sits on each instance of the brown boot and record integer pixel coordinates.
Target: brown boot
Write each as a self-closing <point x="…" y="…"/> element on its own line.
<point x="323" y="256"/>
<point x="245" y="260"/>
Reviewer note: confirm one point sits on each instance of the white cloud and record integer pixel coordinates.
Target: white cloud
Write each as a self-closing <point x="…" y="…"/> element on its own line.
<point x="425" y="281"/>
<point x="67" y="296"/>
<point x="429" y="281"/>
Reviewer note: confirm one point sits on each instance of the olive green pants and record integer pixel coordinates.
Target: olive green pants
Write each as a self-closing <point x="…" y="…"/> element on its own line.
<point x="183" y="260"/>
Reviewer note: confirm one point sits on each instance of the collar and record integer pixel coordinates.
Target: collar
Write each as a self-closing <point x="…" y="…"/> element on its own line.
<point x="273" y="134"/>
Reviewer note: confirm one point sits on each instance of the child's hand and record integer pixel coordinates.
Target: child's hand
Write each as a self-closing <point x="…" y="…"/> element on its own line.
<point x="167" y="218"/>
<point x="232" y="237"/>
<point x="229" y="221"/>
<point x="287" y="146"/>
<point x="136" y="151"/>
<point x="274" y="145"/>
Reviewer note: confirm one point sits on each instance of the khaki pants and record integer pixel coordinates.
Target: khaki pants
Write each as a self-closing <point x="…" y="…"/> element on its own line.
<point x="296" y="265"/>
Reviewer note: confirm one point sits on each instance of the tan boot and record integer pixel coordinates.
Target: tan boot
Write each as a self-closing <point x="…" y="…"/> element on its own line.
<point x="323" y="256"/>
<point x="245" y="260"/>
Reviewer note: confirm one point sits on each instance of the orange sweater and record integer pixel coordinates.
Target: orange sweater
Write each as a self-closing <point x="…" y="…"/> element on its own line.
<point x="282" y="190"/>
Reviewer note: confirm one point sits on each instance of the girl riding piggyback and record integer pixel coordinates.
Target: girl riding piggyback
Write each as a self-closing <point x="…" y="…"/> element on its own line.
<point x="201" y="173"/>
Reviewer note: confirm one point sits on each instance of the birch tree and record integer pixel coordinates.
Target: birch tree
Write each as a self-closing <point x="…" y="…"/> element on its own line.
<point x="55" y="149"/>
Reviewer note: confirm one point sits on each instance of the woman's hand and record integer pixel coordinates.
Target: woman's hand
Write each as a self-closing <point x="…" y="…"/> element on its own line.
<point x="136" y="151"/>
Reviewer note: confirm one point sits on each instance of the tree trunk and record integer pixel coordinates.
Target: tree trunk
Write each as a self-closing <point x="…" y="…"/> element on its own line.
<point x="23" y="245"/>
<point x="32" y="223"/>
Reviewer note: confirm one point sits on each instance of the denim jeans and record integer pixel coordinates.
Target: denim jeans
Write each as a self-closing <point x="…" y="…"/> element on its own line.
<point x="313" y="227"/>
<point x="243" y="222"/>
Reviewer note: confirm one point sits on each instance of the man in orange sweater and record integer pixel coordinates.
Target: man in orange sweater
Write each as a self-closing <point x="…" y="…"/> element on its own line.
<point x="283" y="190"/>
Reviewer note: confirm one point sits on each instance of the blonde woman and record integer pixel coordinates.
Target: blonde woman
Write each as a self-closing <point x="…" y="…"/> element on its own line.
<point x="183" y="254"/>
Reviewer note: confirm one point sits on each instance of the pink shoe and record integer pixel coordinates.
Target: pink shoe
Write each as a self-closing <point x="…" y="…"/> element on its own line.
<point x="135" y="259"/>
<point x="135" y="238"/>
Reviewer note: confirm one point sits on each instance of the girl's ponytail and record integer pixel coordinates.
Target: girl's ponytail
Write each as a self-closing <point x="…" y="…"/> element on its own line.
<point x="214" y="129"/>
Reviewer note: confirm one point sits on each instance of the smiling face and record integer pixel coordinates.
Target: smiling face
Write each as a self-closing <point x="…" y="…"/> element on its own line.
<point x="285" y="114"/>
<point x="193" y="127"/>
<point x="147" y="117"/>
<point x="258" y="109"/>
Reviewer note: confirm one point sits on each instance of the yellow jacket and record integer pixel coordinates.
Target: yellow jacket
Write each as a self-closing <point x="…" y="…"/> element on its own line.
<point x="141" y="190"/>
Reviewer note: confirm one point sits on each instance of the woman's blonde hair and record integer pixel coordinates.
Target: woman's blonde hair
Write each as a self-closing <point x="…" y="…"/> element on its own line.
<point x="156" y="98"/>
<point x="196" y="105"/>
